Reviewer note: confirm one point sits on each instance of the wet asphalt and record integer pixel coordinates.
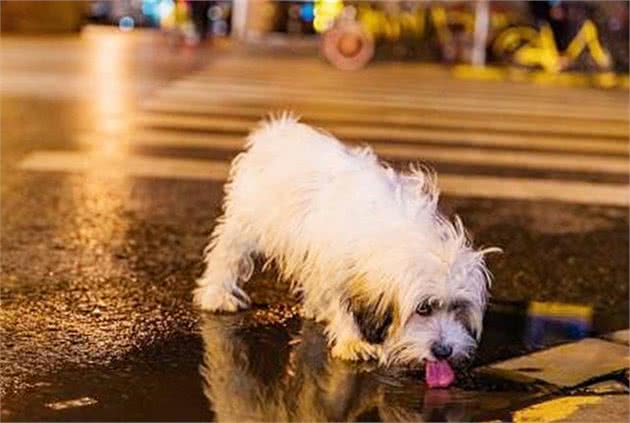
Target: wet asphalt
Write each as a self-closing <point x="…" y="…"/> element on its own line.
<point x="97" y="274"/>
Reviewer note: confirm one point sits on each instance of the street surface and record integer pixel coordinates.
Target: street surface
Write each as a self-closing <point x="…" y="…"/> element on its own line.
<point x="114" y="150"/>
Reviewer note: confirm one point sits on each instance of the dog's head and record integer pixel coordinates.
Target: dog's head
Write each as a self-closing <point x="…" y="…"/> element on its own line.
<point x="430" y="308"/>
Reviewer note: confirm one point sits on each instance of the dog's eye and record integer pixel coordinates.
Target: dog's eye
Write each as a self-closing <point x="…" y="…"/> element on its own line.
<point x="424" y="309"/>
<point x="457" y="307"/>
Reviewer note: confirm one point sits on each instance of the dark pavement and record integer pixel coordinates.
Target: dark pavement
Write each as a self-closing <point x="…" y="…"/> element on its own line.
<point x="97" y="267"/>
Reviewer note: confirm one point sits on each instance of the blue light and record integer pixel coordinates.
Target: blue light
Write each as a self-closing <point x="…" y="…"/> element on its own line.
<point x="150" y="9"/>
<point x="307" y="12"/>
<point x="126" y="23"/>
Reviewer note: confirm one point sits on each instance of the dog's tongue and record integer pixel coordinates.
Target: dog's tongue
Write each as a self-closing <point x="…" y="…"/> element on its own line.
<point x="438" y="374"/>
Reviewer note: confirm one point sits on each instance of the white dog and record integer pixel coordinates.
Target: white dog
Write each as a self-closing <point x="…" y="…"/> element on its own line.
<point x="364" y="246"/>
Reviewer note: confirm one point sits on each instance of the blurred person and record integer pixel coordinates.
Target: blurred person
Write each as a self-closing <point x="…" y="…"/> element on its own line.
<point x="199" y="14"/>
<point x="575" y="32"/>
<point x="564" y="17"/>
<point x="612" y="19"/>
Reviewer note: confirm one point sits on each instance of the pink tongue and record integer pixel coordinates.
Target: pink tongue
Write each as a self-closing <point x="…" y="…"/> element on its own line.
<point x="438" y="374"/>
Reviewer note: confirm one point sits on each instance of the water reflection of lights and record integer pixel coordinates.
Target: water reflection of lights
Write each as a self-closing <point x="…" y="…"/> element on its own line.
<point x="102" y="193"/>
<point x="111" y="93"/>
<point x="96" y="230"/>
<point x="548" y="321"/>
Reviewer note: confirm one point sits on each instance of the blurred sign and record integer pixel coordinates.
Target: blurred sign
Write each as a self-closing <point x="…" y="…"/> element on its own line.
<point x="549" y="36"/>
<point x="548" y="321"/>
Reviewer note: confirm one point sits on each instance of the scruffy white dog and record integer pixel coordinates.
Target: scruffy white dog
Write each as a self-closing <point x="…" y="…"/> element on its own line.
<point x="365" y="247"/>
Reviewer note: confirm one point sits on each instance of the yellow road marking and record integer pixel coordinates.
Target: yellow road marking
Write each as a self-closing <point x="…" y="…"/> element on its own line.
<point x="554" y="410"/>
<point x="574" y="311"/>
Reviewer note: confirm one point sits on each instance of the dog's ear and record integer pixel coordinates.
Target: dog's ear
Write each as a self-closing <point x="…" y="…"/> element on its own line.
<point x="372" y="317"/>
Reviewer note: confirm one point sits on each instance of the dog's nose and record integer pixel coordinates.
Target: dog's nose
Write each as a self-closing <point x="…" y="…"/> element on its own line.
<point x="441" y="351"/>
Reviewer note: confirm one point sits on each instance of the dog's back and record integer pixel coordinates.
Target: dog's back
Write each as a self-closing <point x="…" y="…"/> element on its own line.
<point x="304" y="172"/>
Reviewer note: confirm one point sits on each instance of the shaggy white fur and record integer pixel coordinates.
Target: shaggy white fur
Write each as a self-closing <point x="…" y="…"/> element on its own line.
<point x="365" y="246"/>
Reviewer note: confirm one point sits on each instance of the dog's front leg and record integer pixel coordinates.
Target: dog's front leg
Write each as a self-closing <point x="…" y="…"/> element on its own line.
<point x="347" y="341"/>
<point x="228" y="264"/>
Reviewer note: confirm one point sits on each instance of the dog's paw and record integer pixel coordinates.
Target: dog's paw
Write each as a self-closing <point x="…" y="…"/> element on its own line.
<point x="355" y="350"/>
<point x="219" y="298"/>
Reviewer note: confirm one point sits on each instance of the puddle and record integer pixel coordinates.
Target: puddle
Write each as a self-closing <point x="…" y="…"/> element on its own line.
<point x="268" y="364"/>
<point x="515" y="328"/>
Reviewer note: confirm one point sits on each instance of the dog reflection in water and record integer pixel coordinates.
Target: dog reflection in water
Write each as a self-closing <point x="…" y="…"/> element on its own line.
<point x="283" y="372"/>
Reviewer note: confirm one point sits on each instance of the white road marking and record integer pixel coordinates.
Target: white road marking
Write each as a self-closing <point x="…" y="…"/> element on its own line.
<point x="412" y="101"/>
<point x="532" y="126"/>
<point x="124" y="165"/>
<point x="509" y="159"/>
<point x="385" y="132"/>
<point x="437" y="84"/>
<point x="451" y="184"/>
<point x="473" y="156"/>
<point x="433" y="136"/>
<point x="433" y="85"/>
<point x="419" y="79"/>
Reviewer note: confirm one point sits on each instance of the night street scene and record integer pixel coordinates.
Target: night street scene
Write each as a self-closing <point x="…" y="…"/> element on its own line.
<point x="228" y="211"/>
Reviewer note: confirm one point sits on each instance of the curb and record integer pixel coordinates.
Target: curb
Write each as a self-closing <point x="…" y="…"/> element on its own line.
<point x="584" y="386"/>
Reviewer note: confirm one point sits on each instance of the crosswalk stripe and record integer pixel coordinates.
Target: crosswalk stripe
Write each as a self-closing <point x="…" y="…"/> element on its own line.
<point x="551" y="161"/>
<point x="529" y="189"/>
<point x="435" y="102"/>
<point x="559" y="101"/>
<point x="431" y="120"/>
<point x="590" y="163"/>
<point x="430" y="136"/>
<point x="487" y="90"/>
<point x="129" y="165"/>
<point x="425" y="79"/>
<point x="451" y="184"/>
<point x="367" y="133"/>
<point x="468" y="156"/>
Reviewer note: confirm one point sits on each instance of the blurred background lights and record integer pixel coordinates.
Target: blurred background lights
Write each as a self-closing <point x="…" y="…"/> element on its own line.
<point x="307" y="12"/>
<point x="215" y="12"/>
<point x="126" y="23"/>
<point x="325" y="12"/>
<point x="220" y="28"/>
<point x="150" y="8"/>
<point x="165" y="8"/>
